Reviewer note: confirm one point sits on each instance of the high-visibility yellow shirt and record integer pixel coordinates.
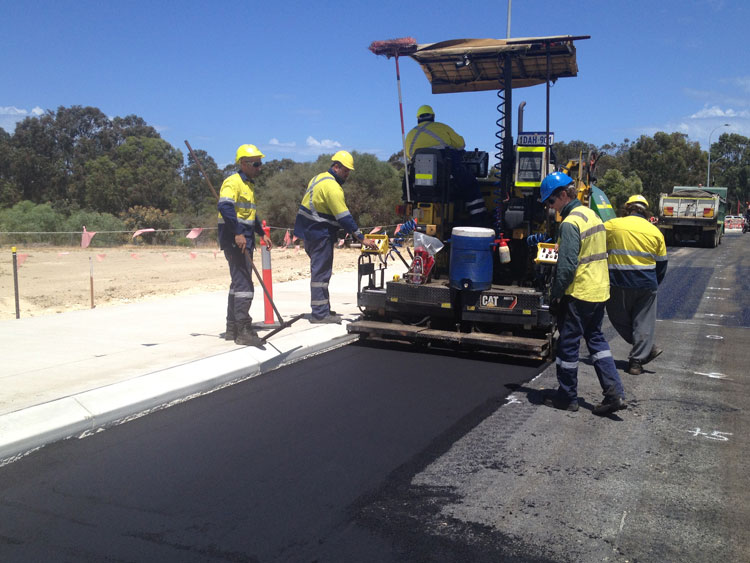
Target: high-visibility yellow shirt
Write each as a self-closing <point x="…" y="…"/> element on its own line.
<point x="432" y="134"/>
<point x="637" y="253"/>
<point x="591" y="280"/>
<point x="323" y="210"/>
<point x="237" y="211"/>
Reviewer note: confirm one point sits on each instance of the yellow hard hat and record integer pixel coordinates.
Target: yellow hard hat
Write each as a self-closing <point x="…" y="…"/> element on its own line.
<point x="245" y="151"/>
<point x="637" y="198"/>
<point x="425" y="110"/>
<point x="344" y="158"/>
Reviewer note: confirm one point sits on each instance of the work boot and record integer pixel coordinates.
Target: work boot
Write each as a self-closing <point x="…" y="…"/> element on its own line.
<point x="248" y="337"/>
<point x="231" y="332"/>
<point x="329" y="319"/>
<point x="609" y="405"/>
<point x="652" y="355"/>
<point x="561" y="404"/>
<point x="635" y="367"/>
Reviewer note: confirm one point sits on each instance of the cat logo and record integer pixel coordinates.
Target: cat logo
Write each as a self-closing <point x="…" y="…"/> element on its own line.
<point x="489" y="301"/>
<point x="497" y="301"/>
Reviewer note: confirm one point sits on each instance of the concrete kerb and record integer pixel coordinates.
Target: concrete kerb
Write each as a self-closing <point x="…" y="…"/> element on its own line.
<point x="28" y="429"/>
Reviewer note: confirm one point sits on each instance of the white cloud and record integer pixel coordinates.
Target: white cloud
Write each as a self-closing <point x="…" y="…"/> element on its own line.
<point x="10" y="115"/>
<point x="311" y="148"/>
<point x="276" y="143"/>
<point x="716" y="111"/>
<point x="325" y="144"/>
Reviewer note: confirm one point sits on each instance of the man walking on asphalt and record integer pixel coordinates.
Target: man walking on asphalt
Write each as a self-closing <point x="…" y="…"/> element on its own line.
<point x="579" y="292"/>
<point x="637" y="259"/>
<point x="322" y="211"/>
<point x="238" y="224"/>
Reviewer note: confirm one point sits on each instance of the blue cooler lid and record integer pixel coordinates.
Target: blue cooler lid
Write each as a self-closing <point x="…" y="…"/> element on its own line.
<point x="476" y="232"/>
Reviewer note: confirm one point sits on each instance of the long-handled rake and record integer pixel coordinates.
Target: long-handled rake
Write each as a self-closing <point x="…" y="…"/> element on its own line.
<point x="395" y="48"/>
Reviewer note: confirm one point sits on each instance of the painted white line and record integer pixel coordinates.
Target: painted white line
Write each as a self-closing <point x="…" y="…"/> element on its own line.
<point x="713" y="375"/>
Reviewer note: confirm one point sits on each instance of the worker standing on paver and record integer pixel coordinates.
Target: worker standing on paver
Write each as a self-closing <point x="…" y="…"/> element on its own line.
<point x="322" y="212"/>
<point x="238" y="225"/>
<point x="579" y="293"/>
<point x="637" y="259"/>
<point x="432" y="134"/>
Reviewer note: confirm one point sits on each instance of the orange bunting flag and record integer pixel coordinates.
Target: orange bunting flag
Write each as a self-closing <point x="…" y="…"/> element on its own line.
<point x="134" y="256"/>
<point x="86" y="237"/>
<point x="287" y="238"/>
<point x="21" y="258"/>
<point x="194" y="233"/>
<point x="215" y="253"/>
<point x="101" y="257"/>
<point x="164" y="255"/>
<point x="193" y="255"/>
<point x="375" y="230"/>
<point x="141" y="231"/>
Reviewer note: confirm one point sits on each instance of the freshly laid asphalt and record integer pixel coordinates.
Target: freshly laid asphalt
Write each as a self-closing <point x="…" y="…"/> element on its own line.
<point x="665" y="480"/>
<point x="68" y="374"/>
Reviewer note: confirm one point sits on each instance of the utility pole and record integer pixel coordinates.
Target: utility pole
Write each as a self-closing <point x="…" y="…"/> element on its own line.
<point x="507" y="33"/>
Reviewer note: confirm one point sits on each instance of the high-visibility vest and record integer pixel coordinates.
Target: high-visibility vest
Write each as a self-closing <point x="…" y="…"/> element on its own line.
<point x="591" y="281"/>
<point x="635" y="246"/>
<point x="241" y="195"/>
<point x="323" y="210"/>
<point x="432" y="134"/>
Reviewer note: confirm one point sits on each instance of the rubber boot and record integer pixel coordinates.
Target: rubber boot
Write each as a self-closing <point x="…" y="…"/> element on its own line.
<point x="247" y="336"/>
<point x="231" y="332"/>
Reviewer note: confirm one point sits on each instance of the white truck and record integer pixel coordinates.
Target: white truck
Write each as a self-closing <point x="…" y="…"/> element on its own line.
<point x="693" y="213"/>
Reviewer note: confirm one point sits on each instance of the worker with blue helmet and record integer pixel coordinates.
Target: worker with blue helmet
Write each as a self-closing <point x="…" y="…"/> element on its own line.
<point x="579" y="293"/>
<point x="553" y="182"/>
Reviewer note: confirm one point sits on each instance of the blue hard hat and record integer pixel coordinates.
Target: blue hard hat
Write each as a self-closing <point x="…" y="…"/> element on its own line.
<point x="553" y="182"/>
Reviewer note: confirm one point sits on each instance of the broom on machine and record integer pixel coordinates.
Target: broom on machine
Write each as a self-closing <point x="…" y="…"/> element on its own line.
<point x="395" y="48"/>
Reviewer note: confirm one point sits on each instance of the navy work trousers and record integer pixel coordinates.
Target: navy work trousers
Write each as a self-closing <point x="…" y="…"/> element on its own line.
<point x="321" y="267"/>
<point x="583" y="320"/>
<point x="241" y="288"/>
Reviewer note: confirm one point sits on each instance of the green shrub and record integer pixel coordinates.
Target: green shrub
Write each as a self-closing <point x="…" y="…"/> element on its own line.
<point x="101" y="223"/>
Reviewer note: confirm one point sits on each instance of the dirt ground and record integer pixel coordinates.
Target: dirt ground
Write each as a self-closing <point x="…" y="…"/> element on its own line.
<point x="58" y="279"/>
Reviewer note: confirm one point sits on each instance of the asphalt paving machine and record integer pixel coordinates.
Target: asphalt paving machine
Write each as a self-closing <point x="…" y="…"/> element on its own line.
<point x="469" y="286"/>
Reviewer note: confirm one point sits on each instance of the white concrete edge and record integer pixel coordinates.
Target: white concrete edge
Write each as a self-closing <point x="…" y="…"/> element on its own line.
<point x="85" y="413"/>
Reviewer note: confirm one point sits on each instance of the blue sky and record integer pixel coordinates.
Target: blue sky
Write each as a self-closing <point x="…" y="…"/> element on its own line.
<point x="296" y="78"/>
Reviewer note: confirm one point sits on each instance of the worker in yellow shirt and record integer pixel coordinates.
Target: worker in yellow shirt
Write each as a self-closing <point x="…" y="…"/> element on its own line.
<point x="238" y="225"/>
<point x="322" y="212"/>
<point x="637" y="259"/>
<point x="432" y="134"/>
<point x="579" y="293"/>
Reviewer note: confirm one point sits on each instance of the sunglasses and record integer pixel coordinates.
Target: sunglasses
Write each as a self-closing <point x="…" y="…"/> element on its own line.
<point x="255" y="164"/>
